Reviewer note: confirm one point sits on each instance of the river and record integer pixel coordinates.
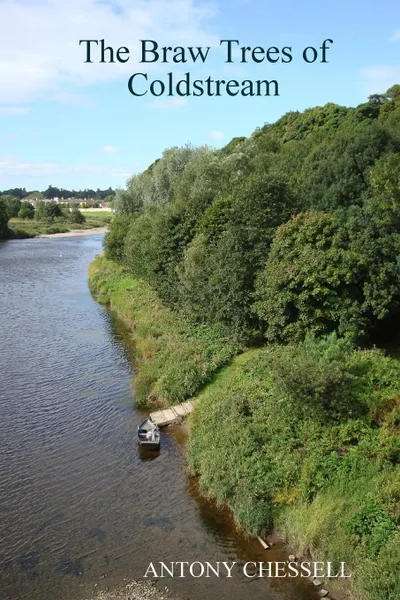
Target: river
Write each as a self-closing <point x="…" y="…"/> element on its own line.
<point x="81" y="507"/>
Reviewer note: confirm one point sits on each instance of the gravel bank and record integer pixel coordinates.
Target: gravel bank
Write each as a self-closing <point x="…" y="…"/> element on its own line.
<point x="136" y="590"/>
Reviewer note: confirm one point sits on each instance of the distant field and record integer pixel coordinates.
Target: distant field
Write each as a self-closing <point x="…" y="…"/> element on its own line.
<point x="102" y="214"/>
<point x="96" y="211"/>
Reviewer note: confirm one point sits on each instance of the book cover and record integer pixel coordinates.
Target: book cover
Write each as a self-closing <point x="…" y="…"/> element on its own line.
<point x="199" y="300"/>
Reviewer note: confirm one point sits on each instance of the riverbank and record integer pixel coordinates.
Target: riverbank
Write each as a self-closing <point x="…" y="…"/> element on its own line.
<point x="174" y="359"/>
<point x="75" y="232"/>
<point x="136" y="591"/>
<point x="29" y="228"/>
<point x="301" y="439"/>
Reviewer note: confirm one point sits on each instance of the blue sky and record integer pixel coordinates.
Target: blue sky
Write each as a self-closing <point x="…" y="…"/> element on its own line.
<point x="75" y="125"/>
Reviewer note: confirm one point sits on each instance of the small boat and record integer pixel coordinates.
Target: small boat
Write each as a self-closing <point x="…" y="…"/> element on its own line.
<point x="149" y="435"/>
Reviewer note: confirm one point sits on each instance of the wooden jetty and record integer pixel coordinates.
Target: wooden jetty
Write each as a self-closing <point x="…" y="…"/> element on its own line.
<point x="174" y="413"/>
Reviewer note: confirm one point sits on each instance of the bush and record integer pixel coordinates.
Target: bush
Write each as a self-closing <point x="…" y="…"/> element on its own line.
<point x="330" y="486"/>
<point x="76" y="217"/>
<point x="26" y="211"/>
<point x="114" y="240"/>
<point x="47" y="211"/>
<point x="319" y="378"/>
<point x="12" y="204"/>
<point x="371" y="526"/>
<point x="3" y="220"/>
<point x="55" y="229"/>
<point x="20" y="234"/>
<point x="379" y="577"/>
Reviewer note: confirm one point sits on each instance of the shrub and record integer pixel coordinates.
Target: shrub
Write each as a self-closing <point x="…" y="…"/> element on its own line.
<point x="12" y="204"/>
<point x="371" y="526"/>
<point x="75" y="216"/>
<point x="26" y="211"/>
<point x="288" y="442"/>
<point x="114" y="240"/>
<point x="3" y="220"/>
<point x="379" y="576"/>
<point x="319" y="378"/>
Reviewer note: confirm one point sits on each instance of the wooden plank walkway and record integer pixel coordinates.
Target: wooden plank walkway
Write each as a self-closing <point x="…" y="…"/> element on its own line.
<point x="175" y="413"/>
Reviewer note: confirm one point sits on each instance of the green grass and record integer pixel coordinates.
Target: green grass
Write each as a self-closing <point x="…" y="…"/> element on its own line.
<point x="330" y="486"/>
<point x="104" y="216"/>
<point x="303" y="439"/>
<point x="174" y="359"/>
<point x="26" y="228"/>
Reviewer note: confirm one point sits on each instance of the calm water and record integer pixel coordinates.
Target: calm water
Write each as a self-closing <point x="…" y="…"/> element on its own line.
<point x="79" y="504"/>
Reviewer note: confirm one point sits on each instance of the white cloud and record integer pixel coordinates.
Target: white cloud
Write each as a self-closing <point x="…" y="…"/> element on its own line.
<point x="40" y="57"/>
<point x="395" y="37"/>
<point x="216" y="135"/>
<point x="168" y="103"/>
<point x="11" y="165"/>
<point x="378" y="79"/>
<point x="109" y="149"/>
<point x="13" y="111"/>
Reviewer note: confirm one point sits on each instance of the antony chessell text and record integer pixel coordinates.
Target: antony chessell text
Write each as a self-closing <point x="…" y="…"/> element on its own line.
<point x="250" y="569"/>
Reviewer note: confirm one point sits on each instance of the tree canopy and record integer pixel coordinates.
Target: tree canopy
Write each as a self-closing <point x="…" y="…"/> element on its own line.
<point x="290" y="231"/>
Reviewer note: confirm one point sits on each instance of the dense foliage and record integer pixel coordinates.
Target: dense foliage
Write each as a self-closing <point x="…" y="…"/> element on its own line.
<point x="329" y="272"/>
<point x="175" y="359"/>
<point x="290" y="237"/>
<point x="43" y="218"/>
<point x="293" y="230"/>
<point x="3" y="220"/>
<point x="308" y="439"/>
<point x="27" y="211"/>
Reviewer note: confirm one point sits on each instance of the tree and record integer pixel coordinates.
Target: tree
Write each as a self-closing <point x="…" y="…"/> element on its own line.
<point x="47" y="211"/>
<point x="214" y="283"/>
<point x="384" y="183"/>
<point x="13" y="205"/>
<point x="328" y="272"/>
<point x="155" y="185"/>
<point x="75" y="216"/>
<point x="202" y="221"/>
<point x="15" y="192"/>
<point x="53" y="210"/>
<point x="234" y="235"/>
<point x="3" y="220"/>
<point x="34" y="196"/>
<point x="128" y="202"/>
<point x="110" y="199"/>
<point x="26" y="211"/>
<point x="334" y="174"/>
<point x="114" y="240"/>
<point x="52" y="192"/>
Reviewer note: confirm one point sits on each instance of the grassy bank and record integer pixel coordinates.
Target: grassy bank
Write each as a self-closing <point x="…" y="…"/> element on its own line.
<point x="264" y="442"/>
<point x="27" y="228"/>
<point x="174" y="359"/>
<point x="302" y="438"/>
